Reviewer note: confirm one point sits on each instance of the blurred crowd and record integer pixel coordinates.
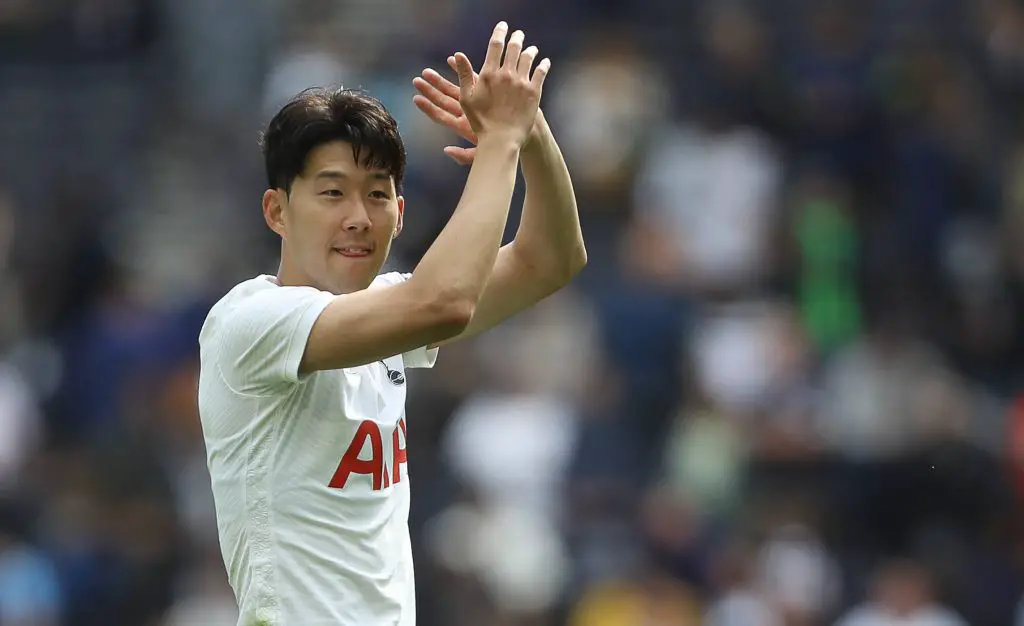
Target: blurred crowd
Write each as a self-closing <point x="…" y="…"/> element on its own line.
<point x="788" y="390"/>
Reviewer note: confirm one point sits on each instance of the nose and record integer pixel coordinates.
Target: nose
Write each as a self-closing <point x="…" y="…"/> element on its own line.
<point x="357" y="220"/>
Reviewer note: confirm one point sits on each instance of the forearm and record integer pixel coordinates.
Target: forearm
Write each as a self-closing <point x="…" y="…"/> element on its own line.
<point x="549" y="235"/>
<point x="460" y="261"/>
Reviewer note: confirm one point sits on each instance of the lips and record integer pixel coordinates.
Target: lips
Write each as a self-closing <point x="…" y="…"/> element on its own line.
<point x="354" y="251"/>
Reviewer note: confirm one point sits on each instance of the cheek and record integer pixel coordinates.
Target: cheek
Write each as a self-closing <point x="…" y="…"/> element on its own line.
<point x="309" y="238"/>
<point x="393" y="219"/>
<point x="313" y="221"/>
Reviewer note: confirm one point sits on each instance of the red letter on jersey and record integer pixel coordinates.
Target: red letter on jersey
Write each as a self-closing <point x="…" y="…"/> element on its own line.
<point x="401" y="456"/>
<point x="352" y="464"/>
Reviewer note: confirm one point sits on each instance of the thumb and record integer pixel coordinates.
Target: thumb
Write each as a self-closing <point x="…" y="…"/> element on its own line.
<point x="462" y="156"/>
<point x="465" y="70"/>
<point x="455" y="68"/>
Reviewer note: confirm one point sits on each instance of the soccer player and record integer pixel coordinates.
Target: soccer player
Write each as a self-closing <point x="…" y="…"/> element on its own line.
<point x="302" y="386"/>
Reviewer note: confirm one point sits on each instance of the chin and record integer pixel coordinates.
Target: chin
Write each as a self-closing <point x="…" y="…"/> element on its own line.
<point x="353" y="279"/>
<point x="352" y="275"/>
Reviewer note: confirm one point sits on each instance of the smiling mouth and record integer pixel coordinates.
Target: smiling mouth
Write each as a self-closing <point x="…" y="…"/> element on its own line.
<point x="354" y="251"/>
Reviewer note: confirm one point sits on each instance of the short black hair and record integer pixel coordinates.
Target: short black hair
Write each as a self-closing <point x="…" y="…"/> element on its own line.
<point x="317" y="116"/>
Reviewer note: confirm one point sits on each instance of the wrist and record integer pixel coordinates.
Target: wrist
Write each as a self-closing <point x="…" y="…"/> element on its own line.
<point x="500" y="139"/>
<point x="537" y="132"/>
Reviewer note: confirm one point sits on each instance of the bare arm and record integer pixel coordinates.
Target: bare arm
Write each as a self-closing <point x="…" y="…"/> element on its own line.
<point x="548" y="249"/>
<point x="549" y="233"/>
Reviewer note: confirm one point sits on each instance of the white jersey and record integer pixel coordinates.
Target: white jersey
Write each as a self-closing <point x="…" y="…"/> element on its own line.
<point x="310" y="477"/>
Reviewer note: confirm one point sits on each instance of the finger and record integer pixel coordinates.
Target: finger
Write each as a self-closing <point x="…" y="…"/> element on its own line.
<point x="541" y="72"/>
<point x="443" y="101"/>
<point x="462" y="156"/>
<point x="455" y="123"/>
<point x="526" y="60"/>
<point x="453" y="65"/>
<point x="515" y="47"/>
<point x="434" y="112"/>
<point x="465" y="71"/>
<point x="494" y="47"/>
<point x="441" y="83"/>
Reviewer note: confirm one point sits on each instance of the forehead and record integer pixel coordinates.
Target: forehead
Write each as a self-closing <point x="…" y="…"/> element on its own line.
<point x="337" y="156"/>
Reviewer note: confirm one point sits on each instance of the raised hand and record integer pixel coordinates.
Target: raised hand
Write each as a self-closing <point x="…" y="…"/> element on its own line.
<point x="439" y="100"/>
<point x="502" y="100"/>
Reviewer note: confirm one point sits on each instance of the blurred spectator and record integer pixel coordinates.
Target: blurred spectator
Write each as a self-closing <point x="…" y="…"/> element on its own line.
<point x="827" y="246"/>
<point x="514" y="554"/>
<point x="798" y="575"/>
<point x="869" y="387"/>
<point x="606" y="103"/>
<point x="20" y="426"/>
<point x="205" y="598"/>
<point x="901" y="594"/>
<point x="741" y="68"/>
<point x="654" y="599"/>
<point x="29" y="592"/>
<point x="510" y="445"/>
<point x="706" y="455"/>
<point x="738" y="602"/>
<point x="710" y="188"/>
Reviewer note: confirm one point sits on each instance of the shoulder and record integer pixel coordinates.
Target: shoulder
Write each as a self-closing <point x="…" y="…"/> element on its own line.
<point x="256" y="334"/>
<point x="251" y="300"/>
<point x="240" y="293"/>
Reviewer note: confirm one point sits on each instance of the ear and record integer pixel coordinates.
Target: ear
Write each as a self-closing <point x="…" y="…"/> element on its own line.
<point x="401" y="215"/>
<point x="273" y="211"/>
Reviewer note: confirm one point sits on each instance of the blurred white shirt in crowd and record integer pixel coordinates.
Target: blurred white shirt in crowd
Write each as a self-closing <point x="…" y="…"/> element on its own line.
<point x="741" y="608"/>
<point x="512" y="449"/>
<point x="870" y="615"/>
<point x="715" y="194"/>
<point x="541" y="363"/>
<point x="600" y="103"/>
<point x="20" y="425"/>
<point x="796" y="572"/>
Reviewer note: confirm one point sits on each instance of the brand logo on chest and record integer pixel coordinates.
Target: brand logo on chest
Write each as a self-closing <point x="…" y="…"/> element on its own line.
<point x="376" y="466"/>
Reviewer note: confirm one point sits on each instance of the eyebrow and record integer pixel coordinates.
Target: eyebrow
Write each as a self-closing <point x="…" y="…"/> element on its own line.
<point x="339" y="175"/>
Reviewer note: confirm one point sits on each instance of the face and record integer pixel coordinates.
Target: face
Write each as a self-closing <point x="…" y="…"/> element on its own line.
<point x="337" y="223"/>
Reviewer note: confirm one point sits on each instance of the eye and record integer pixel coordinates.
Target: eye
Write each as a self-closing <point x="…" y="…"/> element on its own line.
<point x="332" y="193"/>
<point x="380" y="195"/>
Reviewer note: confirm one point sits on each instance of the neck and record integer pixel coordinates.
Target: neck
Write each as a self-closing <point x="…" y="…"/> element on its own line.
<point x="288" y="277"/>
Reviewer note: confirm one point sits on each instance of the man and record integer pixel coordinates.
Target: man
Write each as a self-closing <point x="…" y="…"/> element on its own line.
<point x="302" y="387"/>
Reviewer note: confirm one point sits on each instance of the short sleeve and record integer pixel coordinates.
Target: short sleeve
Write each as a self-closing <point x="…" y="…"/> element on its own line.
<point x="420" y="357"/>
<point x="260" y="342"/>
<point x="423" y="357"/>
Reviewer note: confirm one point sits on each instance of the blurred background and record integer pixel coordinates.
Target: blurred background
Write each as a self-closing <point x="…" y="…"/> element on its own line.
<point x="788" y="390"/>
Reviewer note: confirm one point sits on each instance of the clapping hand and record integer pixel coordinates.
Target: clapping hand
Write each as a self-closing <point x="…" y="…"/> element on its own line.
<point x="442" y="100"/>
